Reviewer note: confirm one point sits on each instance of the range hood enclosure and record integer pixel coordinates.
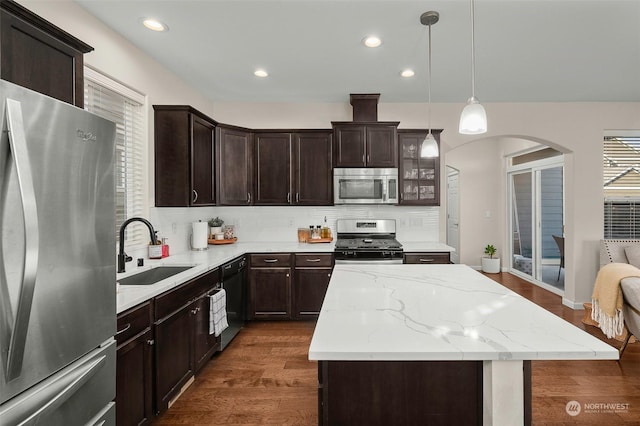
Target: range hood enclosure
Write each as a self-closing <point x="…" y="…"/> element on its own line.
<point x="365" y="106"/>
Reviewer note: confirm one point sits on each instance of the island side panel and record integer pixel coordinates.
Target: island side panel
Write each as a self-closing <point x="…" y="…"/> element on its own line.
<point x="400" y="393"/>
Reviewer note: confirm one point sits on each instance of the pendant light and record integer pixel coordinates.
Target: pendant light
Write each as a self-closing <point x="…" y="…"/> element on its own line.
<point x="429" y="147"/>
<point x="473" y="120"/>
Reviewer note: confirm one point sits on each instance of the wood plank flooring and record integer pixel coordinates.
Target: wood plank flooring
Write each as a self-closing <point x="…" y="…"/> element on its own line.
<point x="264" y="378"/>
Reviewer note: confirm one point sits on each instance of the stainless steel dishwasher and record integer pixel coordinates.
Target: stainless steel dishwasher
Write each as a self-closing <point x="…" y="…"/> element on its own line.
<point x="234" y="282"/>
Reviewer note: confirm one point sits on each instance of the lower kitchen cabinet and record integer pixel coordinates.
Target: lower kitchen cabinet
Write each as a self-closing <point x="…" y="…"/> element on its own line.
<point x="311" y="279"/>
<point x="270" y="286"/>
<point x="183" y="344"/>
<point x="134" y="384"/>
<point x="427" y="258"/>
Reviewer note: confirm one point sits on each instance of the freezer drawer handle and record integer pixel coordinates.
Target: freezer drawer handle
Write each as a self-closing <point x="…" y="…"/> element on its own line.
<point x="54" y="395"/>
<point x="17" y="337"/>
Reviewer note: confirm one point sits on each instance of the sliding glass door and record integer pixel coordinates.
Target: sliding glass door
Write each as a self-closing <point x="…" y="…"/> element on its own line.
<point x="536" y="225"/>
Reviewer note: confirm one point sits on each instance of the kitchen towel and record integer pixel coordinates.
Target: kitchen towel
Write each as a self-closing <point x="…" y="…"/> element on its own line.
<point x="218" y="312"/>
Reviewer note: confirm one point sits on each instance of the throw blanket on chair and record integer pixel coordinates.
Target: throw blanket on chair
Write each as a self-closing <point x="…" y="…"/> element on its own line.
<point x="607" y="297"/>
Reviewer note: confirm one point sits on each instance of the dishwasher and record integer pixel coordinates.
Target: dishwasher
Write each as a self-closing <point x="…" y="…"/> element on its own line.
<point x="234" y="282"/>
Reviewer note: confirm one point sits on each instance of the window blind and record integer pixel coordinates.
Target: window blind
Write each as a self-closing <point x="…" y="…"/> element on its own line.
<point x="125" y="107"/>
<point x="621" y="173"/>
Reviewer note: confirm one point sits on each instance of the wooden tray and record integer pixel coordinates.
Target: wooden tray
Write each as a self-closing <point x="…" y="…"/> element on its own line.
<point x="320" y="240"/>
<point x="217" y="242"/>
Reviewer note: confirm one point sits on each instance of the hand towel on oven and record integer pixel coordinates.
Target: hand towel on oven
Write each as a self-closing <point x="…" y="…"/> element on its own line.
<point x="218" y="312"/>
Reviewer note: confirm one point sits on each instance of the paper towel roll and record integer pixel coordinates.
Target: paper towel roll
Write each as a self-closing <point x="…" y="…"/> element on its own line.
<point x="199" y="235"/>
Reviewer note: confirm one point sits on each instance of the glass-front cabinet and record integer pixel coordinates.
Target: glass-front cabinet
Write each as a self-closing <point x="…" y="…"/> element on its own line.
<point x="419" y="178"/>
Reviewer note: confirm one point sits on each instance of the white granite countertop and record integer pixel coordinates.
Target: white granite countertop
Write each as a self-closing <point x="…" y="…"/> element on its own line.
<point x="439" y="312"/>
<point x="425" y="246"/>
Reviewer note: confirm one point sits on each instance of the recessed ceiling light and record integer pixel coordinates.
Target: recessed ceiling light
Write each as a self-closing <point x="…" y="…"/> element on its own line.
<point x="260" y="73"/>
<point x="371" y="41"/>
<point x="407" y="73"/>
<point x="154" y="25"/>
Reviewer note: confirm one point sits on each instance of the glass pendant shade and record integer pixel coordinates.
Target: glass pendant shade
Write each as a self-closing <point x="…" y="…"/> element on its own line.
<point x="429" y="147"/>
<point x="473" y="120"/>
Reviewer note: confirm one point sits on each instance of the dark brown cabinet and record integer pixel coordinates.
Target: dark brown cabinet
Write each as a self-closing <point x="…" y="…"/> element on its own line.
<point x="182" y="345"/>
<point x="311" y="279"/>
<point x="234" y="153"/>
<point x="273" y="168"/>
<point x="134" y="391"/>
<point x="293" y="168"/>
<point x="270" y="286"/>
<point x="184" y="157"/>
<point x="419" y="178"/>
<point x="427" y="258"/>
<point x="40" y="56"/>
<point x="365" y="144"/>
<point x="313" y="172"/>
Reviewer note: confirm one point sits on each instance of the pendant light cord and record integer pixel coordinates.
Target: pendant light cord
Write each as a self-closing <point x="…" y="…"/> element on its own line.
<point x="429" y="79"/>
<point x="473" y="54"/>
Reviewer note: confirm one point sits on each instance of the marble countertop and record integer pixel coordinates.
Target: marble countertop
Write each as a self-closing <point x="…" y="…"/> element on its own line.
<point x="439" y="312"/>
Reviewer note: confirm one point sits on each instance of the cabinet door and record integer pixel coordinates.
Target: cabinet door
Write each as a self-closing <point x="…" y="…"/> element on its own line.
<point x="202" y="165"/>
<point x="349" y="145"/>
<point x="313" y="175"/>
<point x="173" y="355"/>
<point x="273" y="169"/>
<point x="204" y="344"/>
<point x="381" y="145"/>
<point x="419" y="178"/>
<point x="41" y="57"/>
<point x="309" y="288"/>
<point x="270" y="296"/>
<point x="134" y="391"/>
<point x="235" y="167"/>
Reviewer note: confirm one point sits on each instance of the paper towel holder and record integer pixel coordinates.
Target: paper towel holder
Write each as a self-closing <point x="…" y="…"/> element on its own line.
<point x="204" y="237"/>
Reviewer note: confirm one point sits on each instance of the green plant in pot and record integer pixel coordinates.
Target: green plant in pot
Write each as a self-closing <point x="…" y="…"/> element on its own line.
<point x="215" y="226"/>
<point x="490" y="262"/>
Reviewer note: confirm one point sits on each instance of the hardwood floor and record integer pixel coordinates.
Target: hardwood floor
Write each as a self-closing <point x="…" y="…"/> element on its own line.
<point x="264" y="378"/>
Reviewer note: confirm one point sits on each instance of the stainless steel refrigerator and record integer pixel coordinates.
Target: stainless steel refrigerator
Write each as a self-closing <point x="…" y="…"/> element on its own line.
<point x="57" y="262"/>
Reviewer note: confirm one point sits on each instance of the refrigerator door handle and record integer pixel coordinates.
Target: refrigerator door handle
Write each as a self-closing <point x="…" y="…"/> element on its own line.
<point x="53" y="395"/>
<point x="18" y="147"/>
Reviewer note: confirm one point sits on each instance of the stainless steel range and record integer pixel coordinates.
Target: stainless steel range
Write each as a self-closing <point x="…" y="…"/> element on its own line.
<point x="367" y="241"/>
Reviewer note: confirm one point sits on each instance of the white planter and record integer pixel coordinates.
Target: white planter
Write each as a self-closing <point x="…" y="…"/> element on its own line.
<point x="491" y="266"/>
<point x="213" y="230"/>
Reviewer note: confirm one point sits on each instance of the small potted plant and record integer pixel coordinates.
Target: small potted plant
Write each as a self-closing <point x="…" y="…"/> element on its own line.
<point x="215" y="226"/>
<point x="490" y="264"/>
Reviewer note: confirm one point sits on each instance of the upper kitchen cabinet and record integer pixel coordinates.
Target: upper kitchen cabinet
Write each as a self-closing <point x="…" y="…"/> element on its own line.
<point x="40" y="56"/>
<point x="184" y="157"/>
<point x="360" y="144"/>
<point x="313" y="174"/>
<point x="419" y="178"/>
<point x="293" y="168"/>
<point x="234" y="152"/>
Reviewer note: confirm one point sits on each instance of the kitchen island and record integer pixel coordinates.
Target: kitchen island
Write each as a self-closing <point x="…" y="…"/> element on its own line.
<point x="433" y="344"/>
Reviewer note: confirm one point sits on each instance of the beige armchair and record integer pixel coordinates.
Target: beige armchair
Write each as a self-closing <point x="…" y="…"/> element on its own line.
<point x="620" y="251"/>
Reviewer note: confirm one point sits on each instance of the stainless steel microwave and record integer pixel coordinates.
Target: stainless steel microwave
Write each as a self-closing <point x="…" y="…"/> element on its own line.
<point x="365" y="186"/>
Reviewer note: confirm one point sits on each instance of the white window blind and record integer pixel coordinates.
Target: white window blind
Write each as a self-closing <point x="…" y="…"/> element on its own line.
<point x="125" y="107"/>
<point x="621" y="172"/>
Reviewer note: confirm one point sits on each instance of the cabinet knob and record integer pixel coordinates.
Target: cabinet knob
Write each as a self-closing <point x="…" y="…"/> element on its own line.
<point x="328" y="275"/>
<point x="248" y="198"/>
<point x="287" y="275"/>
<point x="195" y="195"/>
<point x="297" y="197"/>
<point x="151" y="342"/>
<point x="289" y="197"/>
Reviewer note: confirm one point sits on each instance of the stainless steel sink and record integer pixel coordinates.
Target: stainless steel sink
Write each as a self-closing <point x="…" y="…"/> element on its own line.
<point x="152" y="276"/>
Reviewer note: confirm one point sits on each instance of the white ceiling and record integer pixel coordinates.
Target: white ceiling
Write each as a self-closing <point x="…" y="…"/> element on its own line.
<point x="526" y="51"/>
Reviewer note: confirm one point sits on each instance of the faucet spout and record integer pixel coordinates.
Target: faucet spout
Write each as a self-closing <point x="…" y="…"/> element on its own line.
<point x="121" y="255"/>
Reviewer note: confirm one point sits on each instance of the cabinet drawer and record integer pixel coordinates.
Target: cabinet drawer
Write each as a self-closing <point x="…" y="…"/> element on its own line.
<point x="312" y="260"/>
<point x="133" y="322"/>
<point x="184" y="294"/>
<point x="270" y="260"/>
<point x="427" y="258"/>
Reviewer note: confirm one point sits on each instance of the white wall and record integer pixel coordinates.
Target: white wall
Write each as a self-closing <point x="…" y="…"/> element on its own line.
<point x="575" y="128"/>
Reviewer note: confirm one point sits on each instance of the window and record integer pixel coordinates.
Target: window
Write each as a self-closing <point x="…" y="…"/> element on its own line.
<point x="621" y="171"/>
<point x="125" y="107"/>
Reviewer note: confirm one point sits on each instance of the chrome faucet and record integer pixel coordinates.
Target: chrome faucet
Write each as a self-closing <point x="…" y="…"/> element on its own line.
<point x="122" y="257"/>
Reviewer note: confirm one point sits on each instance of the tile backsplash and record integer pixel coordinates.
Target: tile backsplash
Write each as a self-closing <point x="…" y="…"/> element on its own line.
<point x="263" y="223"/>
